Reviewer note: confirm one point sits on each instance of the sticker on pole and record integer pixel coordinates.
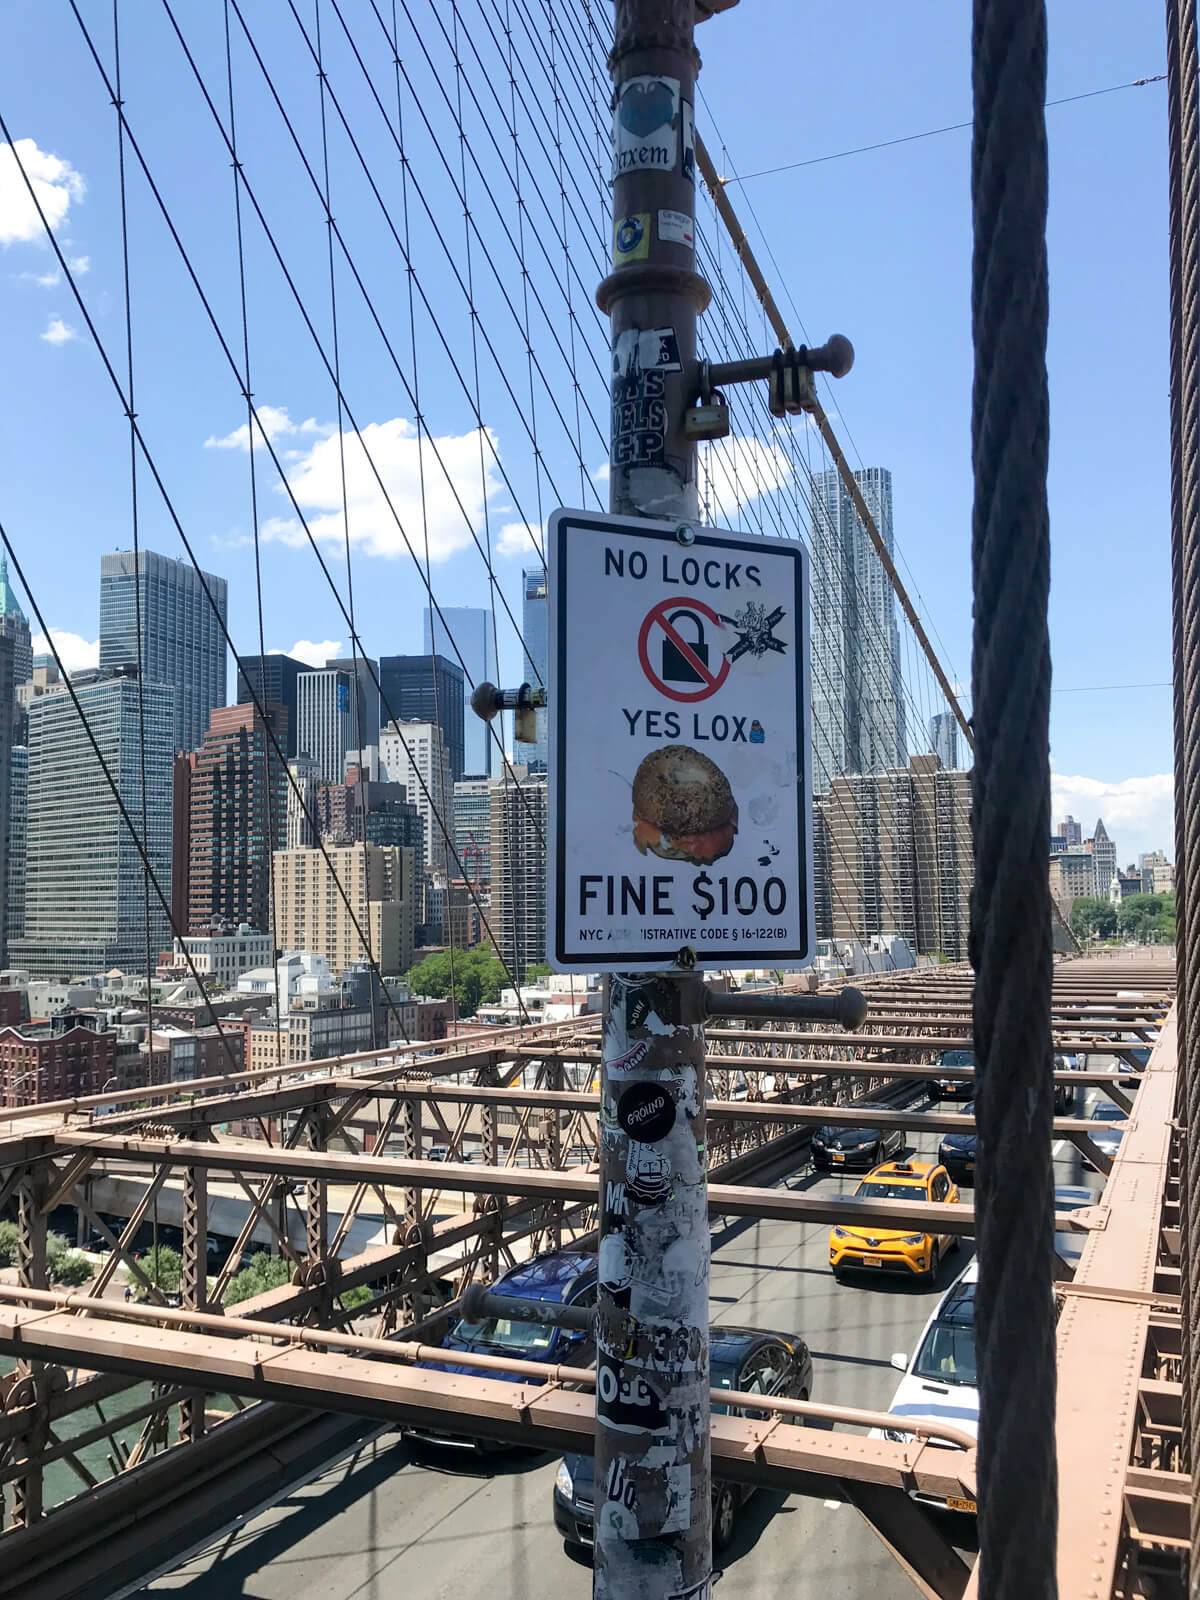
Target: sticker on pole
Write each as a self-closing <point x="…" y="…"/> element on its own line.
<point x="646" y="125"/>
<point x="680" y="805"/>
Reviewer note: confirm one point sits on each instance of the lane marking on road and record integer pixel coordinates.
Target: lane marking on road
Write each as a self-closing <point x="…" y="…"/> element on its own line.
<point x="834" y="1505"/>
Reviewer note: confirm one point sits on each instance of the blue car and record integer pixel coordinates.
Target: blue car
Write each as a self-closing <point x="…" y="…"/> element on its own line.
<point x="742" y="1359"/>
<point x="957" y="1151"/>
<point x="562" y="1277"/>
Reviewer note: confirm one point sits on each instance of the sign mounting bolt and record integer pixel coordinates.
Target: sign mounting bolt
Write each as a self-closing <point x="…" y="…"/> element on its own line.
<point x="685" y="533"/>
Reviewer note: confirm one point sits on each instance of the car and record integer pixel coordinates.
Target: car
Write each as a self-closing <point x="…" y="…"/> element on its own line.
<point x="836" y="1149"/>
<point x="1106" y="1137"/>
<point x="1064" y="1093"/>
<point x="956" y="1152"/>
<point x="563" y="1277"/>
<point x="744" y="1359"/>
<point x="954" y="1088"/>
<point x="939" y="1383"/>
<point x="875" y="1249"/>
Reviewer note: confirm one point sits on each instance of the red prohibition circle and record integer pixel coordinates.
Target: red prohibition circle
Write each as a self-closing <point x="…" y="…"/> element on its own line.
<point x="656" y="617"/>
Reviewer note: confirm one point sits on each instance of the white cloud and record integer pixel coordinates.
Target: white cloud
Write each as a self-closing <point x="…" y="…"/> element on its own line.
<point x="602" y="474"/>
<point x="316" y="655"/>
<point x="274" y="422"/>
<point x="79" y="264"/>
<point x="379" y="521"/>
<point x="44" y="280"/>
<point x="736" y="470"/>
<point x="58" y="332"/>
<point x="519" y="539"/>
<point x="77" y="652"/>
<point x="55" y="182"/>
<point x="1138" y="813"/>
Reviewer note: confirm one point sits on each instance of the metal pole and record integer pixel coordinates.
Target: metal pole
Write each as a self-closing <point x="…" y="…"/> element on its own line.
<point x="653" y="1519"/>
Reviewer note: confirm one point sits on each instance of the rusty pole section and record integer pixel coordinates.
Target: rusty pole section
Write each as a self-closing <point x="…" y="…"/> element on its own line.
<point x="653" y="1517"/>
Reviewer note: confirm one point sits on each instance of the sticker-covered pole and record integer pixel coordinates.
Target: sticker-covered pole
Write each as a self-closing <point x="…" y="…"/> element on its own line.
<point x="653" y="1492"/>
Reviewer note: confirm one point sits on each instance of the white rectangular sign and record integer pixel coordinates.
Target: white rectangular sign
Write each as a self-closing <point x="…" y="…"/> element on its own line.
<point x="680" y="804"/>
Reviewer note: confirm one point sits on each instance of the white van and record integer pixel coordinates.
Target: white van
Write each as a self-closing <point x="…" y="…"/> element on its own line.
<point x="939" y="1383"/>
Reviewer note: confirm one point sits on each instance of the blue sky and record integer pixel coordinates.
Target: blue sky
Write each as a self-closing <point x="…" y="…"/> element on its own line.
<point x="875" y="245"/>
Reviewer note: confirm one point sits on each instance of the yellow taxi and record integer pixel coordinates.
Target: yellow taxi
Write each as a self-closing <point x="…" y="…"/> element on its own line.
<point x="872" y="1249"/>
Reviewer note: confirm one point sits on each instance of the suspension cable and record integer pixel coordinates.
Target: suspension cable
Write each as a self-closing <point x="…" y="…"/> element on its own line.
<point x="1010" y="908"/>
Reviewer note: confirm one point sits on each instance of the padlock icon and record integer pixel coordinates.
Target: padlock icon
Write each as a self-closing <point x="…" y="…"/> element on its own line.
<point x="676" y="668"/>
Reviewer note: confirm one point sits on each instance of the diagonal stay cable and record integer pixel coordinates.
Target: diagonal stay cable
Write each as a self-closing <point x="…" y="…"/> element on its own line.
<point x="168" y="503"/>
<point x="223" y="342"/>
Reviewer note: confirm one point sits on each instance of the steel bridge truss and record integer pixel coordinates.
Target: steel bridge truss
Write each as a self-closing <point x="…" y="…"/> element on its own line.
<point x="516" y="1115"/>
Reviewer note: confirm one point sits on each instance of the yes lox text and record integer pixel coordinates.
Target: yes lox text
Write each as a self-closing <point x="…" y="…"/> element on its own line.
<point x="718" y="728"/>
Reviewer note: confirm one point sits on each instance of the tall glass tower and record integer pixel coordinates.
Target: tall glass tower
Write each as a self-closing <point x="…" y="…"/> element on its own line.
<point x="183" y="645"/>
<point x="857" y="688"/>
<point x="85" y="884"/>
<point x="535" y="624"/>
<point x="471" y="629"/>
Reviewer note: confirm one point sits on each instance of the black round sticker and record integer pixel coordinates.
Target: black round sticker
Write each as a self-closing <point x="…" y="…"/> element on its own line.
<point x="646" y="1111"/>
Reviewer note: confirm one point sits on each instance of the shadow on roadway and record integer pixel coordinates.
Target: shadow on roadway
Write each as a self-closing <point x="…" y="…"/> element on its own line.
<point x="240" y="1553"/>
<point x="753" y="1519"/>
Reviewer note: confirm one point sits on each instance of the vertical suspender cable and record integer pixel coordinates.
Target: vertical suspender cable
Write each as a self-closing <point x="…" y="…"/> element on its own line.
<point x="1010" y="908"/>
<point x="1183" y="91"/>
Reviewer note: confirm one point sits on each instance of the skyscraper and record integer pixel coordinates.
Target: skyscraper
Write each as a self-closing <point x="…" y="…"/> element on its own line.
<point x="475" y="636"/>
<point x="943" y="738"/>
<point x="414" y="754"/>
<point x="301" y="803"/>
<point x="426" y="689"/>
<point x="517" y="911"/>
<point x="535" y="625"/>
<point x="857" y="688"/>
<point x="13" y="623"/>
<point x="312" y="912"/>
<point x="182" y="646"/>
<point x="85" y="883"/>
<point x="12" y="898"/>
<point x="324" y="713"/>
<point x="364" y="709"/>
<point x="473" y="829"/>
<point x="236" y="815"/>
<point x="8" y="724"/>
<point x="1104" y="860"/>
<point x="273" y="677"/>
<point x="895" y="857"/>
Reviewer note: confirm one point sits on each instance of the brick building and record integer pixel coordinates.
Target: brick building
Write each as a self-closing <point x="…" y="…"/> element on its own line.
<point x="230" y="812"/>
<point x="54" y="1060"/>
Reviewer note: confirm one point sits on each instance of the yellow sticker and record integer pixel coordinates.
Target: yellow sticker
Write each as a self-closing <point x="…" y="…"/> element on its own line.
<point x="631" y="238"/>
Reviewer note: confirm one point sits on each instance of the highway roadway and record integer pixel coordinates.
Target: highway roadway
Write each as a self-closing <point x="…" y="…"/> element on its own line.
<point x="444" y="1525"/>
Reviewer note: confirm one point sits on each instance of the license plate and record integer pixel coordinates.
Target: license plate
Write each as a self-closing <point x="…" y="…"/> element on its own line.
<point x="956" y="1504"/>
<point x="838" y="1157"/>
<point x="872" y="1261"/>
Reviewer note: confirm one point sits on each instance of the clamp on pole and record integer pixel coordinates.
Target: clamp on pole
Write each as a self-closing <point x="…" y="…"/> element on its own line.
<point x="788" y="374"/>
<point x="487" y="700"/>
<point x="848" y="1008"/>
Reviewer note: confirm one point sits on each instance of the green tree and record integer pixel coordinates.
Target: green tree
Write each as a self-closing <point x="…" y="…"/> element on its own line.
<point x="472" y="977"/>
<point x="164" y="1267"/>
<point x="264" y="1272"/>
<point x="351" y="1299"/>
<point x="9" y="1236"/>
<point x="71" y="1268"/>
<point x="1148" y="917"/>
<point x="539" y="969"/>
<point x="1093" y="918"/>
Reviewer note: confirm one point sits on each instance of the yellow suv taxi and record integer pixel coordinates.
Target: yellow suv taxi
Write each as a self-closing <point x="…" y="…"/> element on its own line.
<point x="872" y="1249"/>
